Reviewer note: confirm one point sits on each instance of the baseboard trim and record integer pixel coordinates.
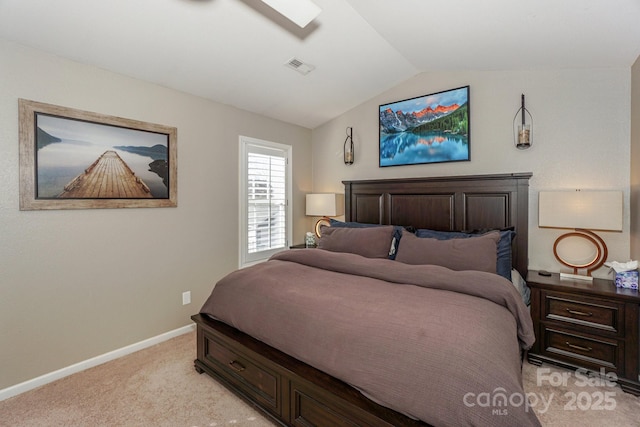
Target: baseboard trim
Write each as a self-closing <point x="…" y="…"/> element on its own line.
<point x="90" y="363"/>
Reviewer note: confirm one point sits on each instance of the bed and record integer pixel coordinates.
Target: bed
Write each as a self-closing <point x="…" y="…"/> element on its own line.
<point x="332" y="337"/>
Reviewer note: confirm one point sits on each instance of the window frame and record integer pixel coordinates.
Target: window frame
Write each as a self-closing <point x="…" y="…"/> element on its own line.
<point x="261" y="146"/>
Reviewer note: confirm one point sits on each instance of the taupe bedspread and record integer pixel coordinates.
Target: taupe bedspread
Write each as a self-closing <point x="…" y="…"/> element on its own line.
<point x="435" y="344"/>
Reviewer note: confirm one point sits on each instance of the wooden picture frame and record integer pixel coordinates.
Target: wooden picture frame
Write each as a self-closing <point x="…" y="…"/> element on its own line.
<point x="74" y="159"/>
<point x="432" y="128"/>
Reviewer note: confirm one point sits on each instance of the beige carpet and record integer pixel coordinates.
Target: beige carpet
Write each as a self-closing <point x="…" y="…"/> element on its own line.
<point x="159" y="387"/>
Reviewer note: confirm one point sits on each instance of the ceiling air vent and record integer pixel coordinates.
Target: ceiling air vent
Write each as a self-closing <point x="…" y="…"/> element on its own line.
<point x="299" y="66"/>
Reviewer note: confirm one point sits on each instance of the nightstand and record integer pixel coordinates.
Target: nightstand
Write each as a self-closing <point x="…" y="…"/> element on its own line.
<point x="584" y="324"/>
<point x="301" y="246"/>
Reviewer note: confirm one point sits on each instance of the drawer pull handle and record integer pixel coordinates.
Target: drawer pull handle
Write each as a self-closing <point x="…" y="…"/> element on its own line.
<point x="579" y="313"/>
<point x="579" y="347"/>
<point x="236" y="366"/>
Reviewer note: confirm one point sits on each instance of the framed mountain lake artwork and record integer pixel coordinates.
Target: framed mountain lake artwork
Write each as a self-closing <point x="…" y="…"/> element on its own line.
<point x="74" y="159"/>
<point x="427" y="129"/>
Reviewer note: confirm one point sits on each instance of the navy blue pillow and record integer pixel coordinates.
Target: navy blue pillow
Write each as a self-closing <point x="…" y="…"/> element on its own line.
<point x="503" y="264"/>
<point x="397" y="233"/>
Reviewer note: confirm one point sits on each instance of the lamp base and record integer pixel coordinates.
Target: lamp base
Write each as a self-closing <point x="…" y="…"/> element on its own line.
<point x="570" y="276"/>
<point x="599" y="256"/>
<point x="322" y="221"/>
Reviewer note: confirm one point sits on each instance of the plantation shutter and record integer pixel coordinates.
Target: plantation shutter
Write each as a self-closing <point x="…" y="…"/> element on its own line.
<point x="265" y="189"/>
<point x="266" y="199"/>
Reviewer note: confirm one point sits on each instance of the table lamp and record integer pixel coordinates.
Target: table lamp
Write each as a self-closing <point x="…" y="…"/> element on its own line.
<point x="324" y="205"/>
<point x="584" y="212"/>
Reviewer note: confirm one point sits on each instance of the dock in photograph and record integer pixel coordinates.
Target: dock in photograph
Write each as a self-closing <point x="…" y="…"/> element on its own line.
<point x="109" y="177"/>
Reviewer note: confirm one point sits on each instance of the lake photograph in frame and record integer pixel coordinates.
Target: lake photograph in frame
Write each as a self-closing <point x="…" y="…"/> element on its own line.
<point x="79" y="159"/>
<point x="75" y="159"/>
<point x="432" y="128"/>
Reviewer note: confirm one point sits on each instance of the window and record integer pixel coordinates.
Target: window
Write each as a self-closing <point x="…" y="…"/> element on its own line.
<point x="265" y="190"/>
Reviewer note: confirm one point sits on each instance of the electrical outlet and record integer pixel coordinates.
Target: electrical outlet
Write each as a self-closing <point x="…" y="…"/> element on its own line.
<point x="186" y="298"/>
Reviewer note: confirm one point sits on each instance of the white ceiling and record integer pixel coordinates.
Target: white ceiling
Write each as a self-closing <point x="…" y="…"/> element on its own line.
<point x="233" y="51"/>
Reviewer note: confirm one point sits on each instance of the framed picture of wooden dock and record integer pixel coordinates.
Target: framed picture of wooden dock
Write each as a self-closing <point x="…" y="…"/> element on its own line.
<point x="74" y="159"/>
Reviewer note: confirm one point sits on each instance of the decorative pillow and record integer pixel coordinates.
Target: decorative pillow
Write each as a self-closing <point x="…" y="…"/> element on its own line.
<point x="370" y="242"/>
<point x="479" y="253"/>
<point x="397" y="232"/>
<point x="504" y="261"/>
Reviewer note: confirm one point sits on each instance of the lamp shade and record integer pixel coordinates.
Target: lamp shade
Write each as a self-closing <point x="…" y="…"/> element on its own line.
<point x="591" y="210"/>
<point x="325" y="204"/>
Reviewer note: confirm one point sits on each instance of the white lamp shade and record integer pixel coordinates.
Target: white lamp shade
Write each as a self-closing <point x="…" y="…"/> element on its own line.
<point x="301" y="12"/>
<point x="590" y="210"/>
<point x="325" y="204"/>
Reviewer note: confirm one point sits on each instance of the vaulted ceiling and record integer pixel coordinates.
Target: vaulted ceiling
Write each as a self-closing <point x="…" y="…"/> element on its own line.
<point x="233" y="51"/>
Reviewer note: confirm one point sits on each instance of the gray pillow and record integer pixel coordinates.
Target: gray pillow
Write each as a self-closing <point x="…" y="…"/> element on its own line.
<point x="370" y="242"/>
<point x="397" y="232"/>
<point x="504" y="261"/>
<point x="478" y="253"/>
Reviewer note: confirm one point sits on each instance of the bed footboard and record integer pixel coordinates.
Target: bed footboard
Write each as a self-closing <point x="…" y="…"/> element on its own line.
<point x="287" y="391"/>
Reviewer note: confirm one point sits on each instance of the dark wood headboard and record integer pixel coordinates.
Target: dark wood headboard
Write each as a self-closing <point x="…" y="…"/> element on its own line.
<point x="447" y="203"/>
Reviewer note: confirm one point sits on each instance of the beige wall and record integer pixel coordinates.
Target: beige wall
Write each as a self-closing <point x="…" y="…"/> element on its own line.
<point x="580" y="139"/>
<point x="635" y="161"/>
<point x="75" y="284"/>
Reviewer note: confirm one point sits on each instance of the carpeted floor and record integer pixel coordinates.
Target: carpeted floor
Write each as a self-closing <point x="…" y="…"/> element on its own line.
<point x="563" y="398"/>
<point x="159" y="387"/>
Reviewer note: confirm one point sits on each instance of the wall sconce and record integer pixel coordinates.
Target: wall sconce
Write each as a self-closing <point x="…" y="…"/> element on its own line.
<point x="581" y="211"/>
<point x="348" y="147"/>
<point x="523" y="132"/>
<point x="324" y="205"/>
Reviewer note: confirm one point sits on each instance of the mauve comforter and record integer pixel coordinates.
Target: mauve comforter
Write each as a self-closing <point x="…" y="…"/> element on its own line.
<point x="435" y="344"/>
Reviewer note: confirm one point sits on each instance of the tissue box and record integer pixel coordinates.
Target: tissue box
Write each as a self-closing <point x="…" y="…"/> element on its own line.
<point x="627" y="279"/>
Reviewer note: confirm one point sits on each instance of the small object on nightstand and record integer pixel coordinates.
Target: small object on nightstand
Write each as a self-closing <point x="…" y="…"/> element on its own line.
<point x="310" y="240"/>
<point x="626" y="273"/>
<point x="627" y="279"/>
<point x="544" y="273"/>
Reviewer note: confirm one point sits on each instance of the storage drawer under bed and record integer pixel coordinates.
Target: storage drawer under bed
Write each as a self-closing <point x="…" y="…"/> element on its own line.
<point x="285" y="389"/>
<point x="257" y="380"/>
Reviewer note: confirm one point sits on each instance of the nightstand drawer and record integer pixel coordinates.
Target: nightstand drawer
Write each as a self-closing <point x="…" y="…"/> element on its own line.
<point x="603" y="316"/>
<point x="582" y="350"/>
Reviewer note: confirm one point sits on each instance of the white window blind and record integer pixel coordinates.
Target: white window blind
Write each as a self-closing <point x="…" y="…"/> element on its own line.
<point x="266" y="202"/>
<point x="265" y="194"/>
